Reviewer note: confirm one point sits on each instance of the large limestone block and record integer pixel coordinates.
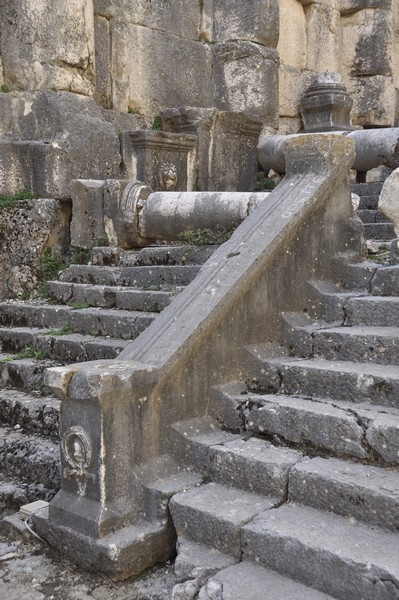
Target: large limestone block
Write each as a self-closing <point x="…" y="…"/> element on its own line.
<point x="246" y="80"/>
<point x="374" y="100"/>
<point x="50" y="138"/>
<point x="102" y="36"/>
<point x="252" y="20"/>
<point x="292" y="86"/>
<point x="350" y="6"/>
<point x="368" y="42"/>
<point x="47" y="44"/>
<point x="323" y="38"/>
<point x="154" y="70"/>
<point x="292" y="37"/>
<point x="389" y="199"/>
<point x="178" y="17"/>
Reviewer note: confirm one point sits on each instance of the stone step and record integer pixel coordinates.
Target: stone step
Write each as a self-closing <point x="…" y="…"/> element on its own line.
<point x="61" y="319"/>
<point x="385" y="282"/>
<point x="251" y="464"/>
<point x="346" y="380"/>
<point x="29" y="459"/>
<point x="372" y="216"/>
<point x="324" y="300"/>
<point x="379" y="231"/>
<point x="327" y="551"/>
<point x="317" y="424"/>
<point x="359" y="492"/>
<point x="77" y="294"/>
<point x="213" y="515"/>
<point x="353" y="275"/>
<point x="254" y="582"/>
<point x="26" y="373"/>
<point x="65" y="348"/>
<point x="29" y="413"/>
<point x="381" y="311"/>
<point x="367" y="189"/>
<point x="360" y="343"/>
<point x="179" y="254"/>
<point x="150" y="278"/>
<point x="369" y="202"/>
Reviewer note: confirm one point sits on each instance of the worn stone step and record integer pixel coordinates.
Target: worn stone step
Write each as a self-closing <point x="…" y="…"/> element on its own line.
<point x="213" y="514"/>
<point x="367" y="189"/>
<point x="73" y="347"/>
<point x="254" y="582"/>
<point x="385" y="281"/>
<point x="327" y="551"/>
<point x="179" y="254"/>
<point x="334" y="426"/>
<point x="102" y="296"/>
<point x="357" y="343"/>
<point x="29" y="413"/>
<point x="368" y="202"/>
<point x="353" y="275"/>
<point x="115" y="323"/>
<point x="379" y="231"/>
<point x="252" y="464"/>
<point x="372" y="216"/>
<point x="154" y="277"/>
<point x="382" y="311"/>
<point x="360" y="492"/>
<point x="27" y="373"/>
<point x="327" y="301"/>
<point x="29" y="459"/>
<point x="346" y="380"/>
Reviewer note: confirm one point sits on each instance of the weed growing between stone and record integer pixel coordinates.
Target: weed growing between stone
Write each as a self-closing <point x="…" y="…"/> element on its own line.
<point x="31" y="352"/>
<point x="157" y="123"/>
<point x="205" y="237"/>
<point x="52" y="265"/>
<point x="10" y="201"/>
<point x="5" y="88"/>
<point x="78" y="305"/>
<point x="265" y="184"/>
<point x="64" y="330"/>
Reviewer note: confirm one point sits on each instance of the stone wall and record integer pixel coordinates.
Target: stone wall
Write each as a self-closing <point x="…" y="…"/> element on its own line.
<point x="358" y="38"/>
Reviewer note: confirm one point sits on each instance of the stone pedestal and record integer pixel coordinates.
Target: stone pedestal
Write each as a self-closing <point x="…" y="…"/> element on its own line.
<point x="226" y="146"/>
<point x="326" y="105"/>
<point x="162" y="160"/>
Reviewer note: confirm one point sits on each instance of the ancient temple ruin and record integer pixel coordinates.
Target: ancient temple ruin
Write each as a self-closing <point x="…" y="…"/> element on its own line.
<point x="199" y="293"/>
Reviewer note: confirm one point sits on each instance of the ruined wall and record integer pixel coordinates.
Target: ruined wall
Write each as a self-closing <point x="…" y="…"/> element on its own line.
<point x="358" y="38"/>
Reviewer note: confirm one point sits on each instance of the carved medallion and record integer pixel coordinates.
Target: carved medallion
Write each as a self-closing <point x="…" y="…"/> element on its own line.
<point x="77" y="450"/>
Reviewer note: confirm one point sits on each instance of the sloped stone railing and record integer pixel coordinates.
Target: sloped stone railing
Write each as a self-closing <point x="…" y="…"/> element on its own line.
<point x="116" y="415"/>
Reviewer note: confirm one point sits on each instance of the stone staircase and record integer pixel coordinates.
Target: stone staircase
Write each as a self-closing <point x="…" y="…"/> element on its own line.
<point x="377" y="226"/>
<point x="92" y="312"/>
<point x="300" y="465"/>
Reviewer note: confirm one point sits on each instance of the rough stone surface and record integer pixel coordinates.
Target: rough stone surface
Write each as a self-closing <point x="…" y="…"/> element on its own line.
<point x="255" y="21"/>
<point x="384" y="439"/>
<point x="214" y="514"/>
<point x="316" y="546"/>
<point x="246" y="80"/>
<point x="361" y="492"/>
<point x="27" y="230"/>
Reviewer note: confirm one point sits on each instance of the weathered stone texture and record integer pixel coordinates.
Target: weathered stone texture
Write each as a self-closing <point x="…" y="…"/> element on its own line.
<point x="49" y="138"/>
<point x="253" y="20"/>
<point x="152" y="70"/>
<point x="102" y="36"/>
<point x="323" y="37"/>
<point x="367" y="43"/>
<point x="26" y="231"/>
<point x="246" y="80"/>
<point x="46" y="43"/>
<point x="292" y="44"/>
<point x="374" y="100"/>
<point x="292" y="85"/>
